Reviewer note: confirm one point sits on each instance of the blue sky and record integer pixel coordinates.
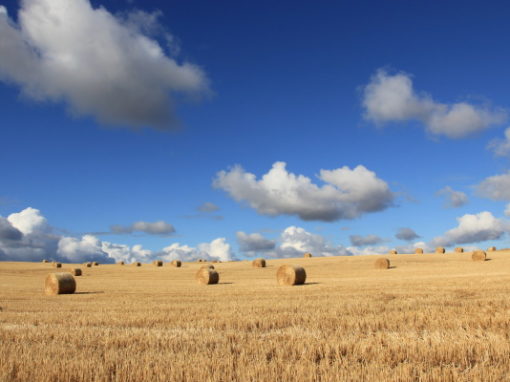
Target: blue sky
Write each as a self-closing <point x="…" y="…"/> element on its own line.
<point x="318" y="87"/>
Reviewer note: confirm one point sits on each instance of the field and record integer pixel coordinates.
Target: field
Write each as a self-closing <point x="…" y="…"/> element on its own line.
<point x="428" y="318"/>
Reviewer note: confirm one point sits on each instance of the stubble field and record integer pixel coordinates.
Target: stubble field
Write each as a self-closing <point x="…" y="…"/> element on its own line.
<point x="428" y="318"/>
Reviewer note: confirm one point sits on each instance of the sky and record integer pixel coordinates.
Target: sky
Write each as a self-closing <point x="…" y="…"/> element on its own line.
<point x="134" y="130"/>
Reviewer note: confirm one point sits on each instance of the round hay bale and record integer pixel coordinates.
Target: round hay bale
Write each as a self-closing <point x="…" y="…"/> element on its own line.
<point x="95" y="263"/>
<point x="440" y="250"/>
<point x="75" y="271"/>
<point x="291" y="275"/>
<point x="490" y="249"/>
<point x="382" y="263"/>
<point x="207" y="276"/>
<point x="120" y="263"/>
<point x="208" y="266"/>
<point x="157" y="263"/>
<point x="57" y="265"/>
<point x="479" y="256"/>
<point x="136" y="264"/>
<point x="259" y="263"/>
<point x="176" y="263"/>
<point x="45" y="261"/>
<point x="59" y="283"/>
<point x="307" y="254"/>
<point x="215" y="261"/>
<point x="200" y="260"/>
<point x="393" y="252"/>
<point x="419" y="251"/>
<point x="459" y="250"/>
<point x="88" y="265"/>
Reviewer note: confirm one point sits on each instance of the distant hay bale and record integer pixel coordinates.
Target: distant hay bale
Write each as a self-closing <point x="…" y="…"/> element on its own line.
<point x="291" y="275"/>
<point x="440" y="250"/>
<point x="208" y="266"/>
<point x="95" y="263"/>
<point x="459" y="250"/>
<point x="45" y="261"/>
<point x="215" y="261"/>
<point x="307" y="254"/>
<point x="259" y="263"/>
<point x="200" y="260"/>
<point x="57" y="265"/>
<point x="393" y="252"/>
<point x="479" y="256"/>
<point x="157" y="263"/>
<point x="176" y="263"/>
<point x="491" y="249"/>
<point x="136" y="264"/>
<point x="88" y="265"/>
<point x="75" y="271"/>
<point x="207" y="276"/>
<point x="120" y="263"/>
<point x="59" y="283"/>
<point x="382" y="263"/>
<point x="419" y="251"/>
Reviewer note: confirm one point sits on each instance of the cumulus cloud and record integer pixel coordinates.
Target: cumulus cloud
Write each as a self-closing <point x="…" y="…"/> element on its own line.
<point x="360" y="241"/>
<point x="392" y="98"/>
<point x="501" y="147"/>
<point x="253" y="243"/>
<point x="453" y="199"/>
<point x="495" y="187"/>
<point x="217" y="249"/>
<point x="507" y="210"/>
<point x="8" y="231"/>
<point x="472" y="229"/>
<point x="96" y="63"/>
<point x="208" y="207"/>
<point x="156" y="228"/>
<point x="346" y="194"/>
<point x="406" y="234"/>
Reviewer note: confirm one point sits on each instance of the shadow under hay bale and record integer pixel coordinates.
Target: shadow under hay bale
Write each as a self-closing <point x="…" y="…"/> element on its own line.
<point x="207" y="276"/>
<point x="75" y="271"/>
<point x="176" y="263"/>
<point x="291" y="275"/>
<point x="259" y="263"/>
<point x="382" y="263"/>
<point x="59" y="283"/>
<point x="440" y="250"/>
<point x="479" y="256"/>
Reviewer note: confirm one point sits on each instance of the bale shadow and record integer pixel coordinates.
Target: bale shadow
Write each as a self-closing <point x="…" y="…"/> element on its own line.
<point x="392" y="267"/>
<point x="226" y="283"/>
<point x="99" y="292"/>
<point x="305" y="284"/>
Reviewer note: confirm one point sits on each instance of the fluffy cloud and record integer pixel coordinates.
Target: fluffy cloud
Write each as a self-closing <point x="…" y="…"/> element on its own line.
<point x="347" y="193"/>
<point x="218" y="249"/>
<point x="28" y="221"/>
<point x="360" y="241"/>
<point x="100" y="65"/>
<point x="86" y="248"/>
<point x="406" y="234"/>
<point x="453" y="199"/>
<point x="8" y="231"/>
<point x="208" y="207"/>
<point x="253" y="243"/>
<point x="495" y="187"/>
<point x="391" y="98"/>
<point x="472" y="229"/>
<point x="156" y="228"/>
<point x="501" y="147"/>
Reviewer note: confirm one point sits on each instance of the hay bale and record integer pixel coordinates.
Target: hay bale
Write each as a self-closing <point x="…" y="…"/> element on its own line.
<point x="59" y="283"/>
<point x="95" y="263"/>
<point x="157" y="263"/>
<point x="440" y="250"/>
<point x="207" y="276"/>
<point x="382" y="263"/>
<point x="208" y="266"/>
<point x="176" y="263"/>
<point x="200" y="261"/>
<point x="459" y="250"/>
<point x="307" y="254"/>
<point x="291" y="275"/>
<point x="75" y="271"/>
<point x="88" y="265"/>
<point x="259" y="263"/>
<point x="136" y="264"/>
<point x="479" y="256"/>
<point x="57" y="265"/>
<point x="393" y="252"/>
<point x="215" y="261"/>
<point x="120" y="263"/>
<point x="45" y="261"/>
<point x="419" y="251"/>
<point x="491" y="249"/>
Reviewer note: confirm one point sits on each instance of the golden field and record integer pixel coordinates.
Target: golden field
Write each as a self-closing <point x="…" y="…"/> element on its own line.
<point x="430" y="317"/>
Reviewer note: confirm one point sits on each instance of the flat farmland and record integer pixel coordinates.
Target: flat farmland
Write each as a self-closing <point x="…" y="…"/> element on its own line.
<point x="430" y="317"/>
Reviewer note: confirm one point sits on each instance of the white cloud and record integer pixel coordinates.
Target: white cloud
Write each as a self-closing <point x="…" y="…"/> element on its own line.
<point x="217" y="249"/>
<point x="453" y="199"/>
<point x="472" y="229"/>
<point x="501" y="147"/>
<point x="391" y="98"/>
<point x="253" y="243"/>
<point x="100" y="65"/>
<point x="156" y="228"/>
<point x="495" y="187"/>
<point x="507" y="210"/>
<point x="208" y="207"/>
<point x="347" y="193"/>
<point x="122" y="252"/>
<point x="360" y="241"/>
<point x="28" y="221"/>
<point x="86" y="248"/>
<point x="406" y="234"/>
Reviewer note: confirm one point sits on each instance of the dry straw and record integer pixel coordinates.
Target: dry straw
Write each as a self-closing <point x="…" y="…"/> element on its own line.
<point x="307" y="254"/>
<point x="419" y="251"/>
<point x="490" y="249"/>
<point x="207" y="276"/>
<point x="57" y="265"/>
<point x="479" y="256"/>
<point x="440" y="250"/>
<point x="75" y="271"/>
<point x="291" y="275"/>
<point x="136" y="264"/>
<point x="259" y="263"/>
<point x="176" y="263"/>
<point x="459" y="250"/>
<point x="382" y="263"/>
<point x="393" y="252"/>
<point x="59" y="283"/>
<point x="157" y="263"/>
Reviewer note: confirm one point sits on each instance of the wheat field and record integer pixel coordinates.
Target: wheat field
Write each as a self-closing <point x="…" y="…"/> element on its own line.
<point x="430" y="317"/>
